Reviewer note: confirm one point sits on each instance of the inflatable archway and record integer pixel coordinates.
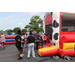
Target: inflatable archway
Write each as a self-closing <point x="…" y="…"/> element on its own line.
<point x="63" y="36"/>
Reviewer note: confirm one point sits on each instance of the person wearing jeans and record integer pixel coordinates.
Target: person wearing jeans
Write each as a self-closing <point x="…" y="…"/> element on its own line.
<point x="31" y="41"/>
<point x="43" y="40"/>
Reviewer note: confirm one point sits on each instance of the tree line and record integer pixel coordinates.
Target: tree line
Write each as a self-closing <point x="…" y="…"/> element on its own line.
<point x="35" y="24"/>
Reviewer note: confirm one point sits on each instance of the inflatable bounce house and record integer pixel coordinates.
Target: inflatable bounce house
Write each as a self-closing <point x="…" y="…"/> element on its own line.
<point x="9" y="39"/>
<point x="61" y="26"/>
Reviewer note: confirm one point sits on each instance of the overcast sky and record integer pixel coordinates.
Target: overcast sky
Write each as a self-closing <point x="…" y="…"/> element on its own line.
<point x="10" y="20"/>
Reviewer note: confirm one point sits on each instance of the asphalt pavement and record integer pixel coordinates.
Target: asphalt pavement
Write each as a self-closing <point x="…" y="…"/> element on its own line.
<point x="10" y="54"/>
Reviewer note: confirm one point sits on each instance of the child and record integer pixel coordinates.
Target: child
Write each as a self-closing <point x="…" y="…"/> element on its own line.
<point x="2" y="40"/>
<point x="25" y="40"/>
<point x="43" y="40"/>
<point x="22" y="44"/>
<point x="46" y="38"/>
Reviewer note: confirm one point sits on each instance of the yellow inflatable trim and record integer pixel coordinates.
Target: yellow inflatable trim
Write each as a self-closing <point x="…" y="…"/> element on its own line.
<point x="68" y="46"/>
<point x="46" y="49"/>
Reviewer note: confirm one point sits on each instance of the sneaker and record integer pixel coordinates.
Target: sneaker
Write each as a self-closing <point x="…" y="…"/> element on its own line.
<point x="34" y="57"/>
<point x="20" y="58"/>
<point x="21" y="55"/>
<point x="28" y="57"/>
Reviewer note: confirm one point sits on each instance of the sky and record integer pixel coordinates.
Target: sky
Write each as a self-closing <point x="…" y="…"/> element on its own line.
<point x="10" y="20"/>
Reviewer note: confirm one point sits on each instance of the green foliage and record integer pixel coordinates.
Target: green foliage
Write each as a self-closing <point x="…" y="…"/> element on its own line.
<point x="27" y="27"/>
<point x="8" y="31"/>
<point x="36" y="24"/>
<point x="16" y="29"/>
<point x="24" y="30"/>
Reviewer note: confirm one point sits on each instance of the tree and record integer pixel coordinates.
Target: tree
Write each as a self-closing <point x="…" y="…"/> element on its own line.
<point x="24" y="30"/>
<point x="8" y="31"/>
<point x="35" y="27"/>
<point x="35" y="23"/>
<point x="40" y="29"/>
<point x="27" y="27"/>
<point x="16" y="29"/>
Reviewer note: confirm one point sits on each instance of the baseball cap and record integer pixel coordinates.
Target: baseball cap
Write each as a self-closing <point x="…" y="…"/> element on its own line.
<point x="1" y="31"/>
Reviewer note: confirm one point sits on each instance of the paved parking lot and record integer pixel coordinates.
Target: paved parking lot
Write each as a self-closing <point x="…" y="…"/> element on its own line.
<point x="10" y="54"/>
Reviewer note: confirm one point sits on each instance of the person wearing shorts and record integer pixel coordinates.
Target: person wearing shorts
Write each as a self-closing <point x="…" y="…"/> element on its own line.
<point x="18" y="44"/>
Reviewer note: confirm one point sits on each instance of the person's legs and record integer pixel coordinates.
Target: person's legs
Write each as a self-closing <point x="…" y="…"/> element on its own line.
<point x="2" y="45"/>
<point x="19" y="51"/>
<point x="29" y="50"/>
<point x="18" y="54"/>
<point x="37" y="45"/>
<point x="33" y="53"/>
<point x="25" y="43"/>
<point x="43" y="44"/>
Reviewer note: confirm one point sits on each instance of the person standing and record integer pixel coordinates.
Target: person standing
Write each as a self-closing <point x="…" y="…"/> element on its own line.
<point x="18" y="44"/>
<point x="43" y="40"/>
<point x="25" y="40"/>
<point x="22" y="44"/>
<point x="46" y="38"/>
<point x="31" y="41"/>
<point x="37" y="39"/>
<point x="2" y="40"/>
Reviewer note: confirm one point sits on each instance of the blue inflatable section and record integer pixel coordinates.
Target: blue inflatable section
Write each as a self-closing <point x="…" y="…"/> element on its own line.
<point x="9" y="40"/>
<point x="16" y="35"/>
<point x="12" y="35"/>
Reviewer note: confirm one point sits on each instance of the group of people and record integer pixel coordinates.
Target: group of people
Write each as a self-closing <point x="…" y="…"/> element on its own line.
<point x="19" y="39"/>
<point x="33" y="42"/>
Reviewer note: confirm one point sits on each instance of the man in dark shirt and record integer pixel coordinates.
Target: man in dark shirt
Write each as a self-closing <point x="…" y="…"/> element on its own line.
<point x="31" y="41"/>
<point x="18" y="44"/>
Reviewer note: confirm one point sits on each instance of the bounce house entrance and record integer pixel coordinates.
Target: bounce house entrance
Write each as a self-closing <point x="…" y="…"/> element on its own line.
<point x="48" y="29"/>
